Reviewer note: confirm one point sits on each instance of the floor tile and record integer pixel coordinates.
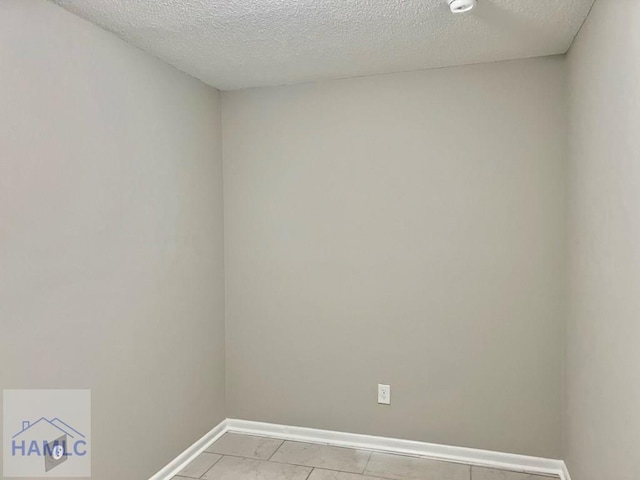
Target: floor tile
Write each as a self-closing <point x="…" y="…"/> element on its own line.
<point x="199" y="465"/>
<point x="319" y="474"/>
<point x="322" y="456"/>
<point x="481" y="473"/>
<point x="248" y="446"/>
<point x="397" y="467"/>
<point x="234" y="468"/>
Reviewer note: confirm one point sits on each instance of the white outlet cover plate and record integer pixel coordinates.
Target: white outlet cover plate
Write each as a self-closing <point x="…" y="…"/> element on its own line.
<point x="384" y="394"/>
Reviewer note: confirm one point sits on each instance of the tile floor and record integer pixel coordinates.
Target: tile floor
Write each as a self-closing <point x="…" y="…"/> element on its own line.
<point x="245" y="457"/>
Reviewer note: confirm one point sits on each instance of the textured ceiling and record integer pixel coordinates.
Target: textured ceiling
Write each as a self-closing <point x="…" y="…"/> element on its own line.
<point x="235" y="44"/>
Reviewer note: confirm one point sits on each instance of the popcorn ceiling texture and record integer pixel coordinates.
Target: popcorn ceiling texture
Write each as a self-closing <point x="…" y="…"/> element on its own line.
<point x="235" y="44"/>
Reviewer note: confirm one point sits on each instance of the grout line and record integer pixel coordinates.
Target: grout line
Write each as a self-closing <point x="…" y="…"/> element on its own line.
<point x="312" y="467"/>
<point x="214" y="463"/>
<point x="322" y="468"/>
<point x="366" y="465"/>
<point x="276" y="450"/>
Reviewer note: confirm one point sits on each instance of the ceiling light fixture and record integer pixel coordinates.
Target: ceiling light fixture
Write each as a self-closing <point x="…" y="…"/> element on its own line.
<point x="461" y="6"/>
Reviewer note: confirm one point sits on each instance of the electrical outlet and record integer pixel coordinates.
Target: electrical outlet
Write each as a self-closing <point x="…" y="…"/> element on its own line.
<point x="384" y="394"/>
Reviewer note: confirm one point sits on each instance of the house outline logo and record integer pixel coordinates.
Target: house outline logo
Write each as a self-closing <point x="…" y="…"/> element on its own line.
<point x="52" y="439"/>
<point x="56" y="423"/>
<point x="47" y="433"/>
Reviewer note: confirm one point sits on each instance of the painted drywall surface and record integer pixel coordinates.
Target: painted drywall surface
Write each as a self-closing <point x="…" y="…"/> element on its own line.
<point x="234" y="45"/>
<point x="602" y="419"/>
<point x="404" y="229"/>
<point x="111" y="254"/>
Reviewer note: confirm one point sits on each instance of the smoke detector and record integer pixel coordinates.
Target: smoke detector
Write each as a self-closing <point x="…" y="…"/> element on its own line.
<point x="461" y="6"/>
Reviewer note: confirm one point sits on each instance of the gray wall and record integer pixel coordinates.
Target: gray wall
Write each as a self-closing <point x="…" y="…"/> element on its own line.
<point x="603" y="365"/>
<point x="111" y="259"/>
<point x="405" y="229"/>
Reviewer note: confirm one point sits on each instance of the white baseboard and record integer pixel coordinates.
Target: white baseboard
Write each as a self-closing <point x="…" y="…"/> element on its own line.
<point x="485" y="458"/>
<point x="470" y="456"/>
<point x="182" y="460"/>
<point x="565" y="472"/>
